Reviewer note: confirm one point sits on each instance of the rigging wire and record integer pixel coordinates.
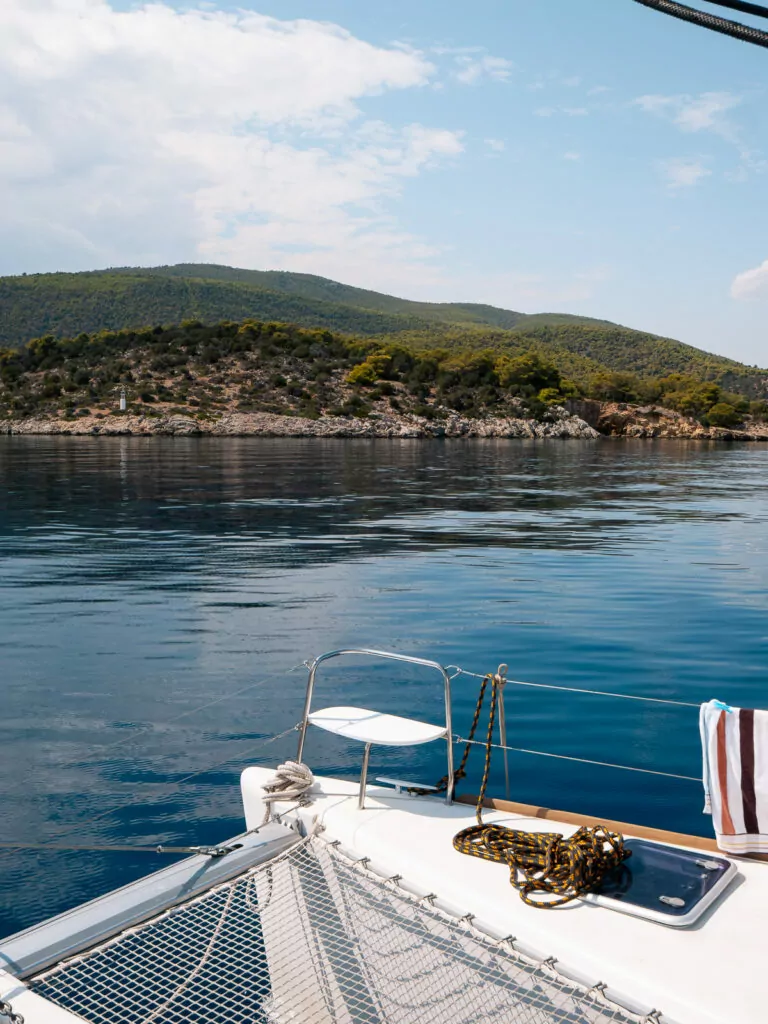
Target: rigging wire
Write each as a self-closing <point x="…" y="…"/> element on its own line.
<point x="581" y="760"/>
<point x="106" y="748"/>
<point x="734" y="29"/>
<point x="758" y="10"/>
<point x="109" y="747"/>
<point x="576" y="689"/>
<point x="173" y="786"/>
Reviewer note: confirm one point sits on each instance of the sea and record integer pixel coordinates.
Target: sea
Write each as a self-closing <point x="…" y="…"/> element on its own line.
<point x="158" y="597"/>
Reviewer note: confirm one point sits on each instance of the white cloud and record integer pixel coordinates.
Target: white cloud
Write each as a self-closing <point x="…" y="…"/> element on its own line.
<point x="705" y="112"/>
<point x="708" y="112"/>
<point x="572" y="155"/>
<point x="751" y="284"/>
<point x="682" y="173"/>
<point x="496" y="145"/>
<point x="568" y="111"/>
<point x="156" y="134"/>
<point x="473" y="69"/>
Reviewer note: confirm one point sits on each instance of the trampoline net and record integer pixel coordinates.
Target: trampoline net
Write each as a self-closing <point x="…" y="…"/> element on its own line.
<point x="312" y="938"/>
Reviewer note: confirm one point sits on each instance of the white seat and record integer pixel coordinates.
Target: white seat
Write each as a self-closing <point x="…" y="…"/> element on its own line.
<point x="374" y="727"/>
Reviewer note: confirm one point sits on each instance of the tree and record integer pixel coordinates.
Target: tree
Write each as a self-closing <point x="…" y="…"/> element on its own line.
<point x="723" y="415"/>
<point x="615" y="387"/>
<point x="527" y="374"/>
<point x="694" y="398"/>
<point x="369" y="371"/>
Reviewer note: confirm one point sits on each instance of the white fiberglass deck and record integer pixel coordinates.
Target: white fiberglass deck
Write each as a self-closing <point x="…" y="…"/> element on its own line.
<point x="709" y="974"/>
<point x="375" y="727"/>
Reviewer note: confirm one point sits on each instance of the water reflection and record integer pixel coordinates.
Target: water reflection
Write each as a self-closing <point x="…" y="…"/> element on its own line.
<point x="144" y="579"/>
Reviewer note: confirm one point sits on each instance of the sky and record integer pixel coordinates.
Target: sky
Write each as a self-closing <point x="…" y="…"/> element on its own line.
<point x="583" y="156"/>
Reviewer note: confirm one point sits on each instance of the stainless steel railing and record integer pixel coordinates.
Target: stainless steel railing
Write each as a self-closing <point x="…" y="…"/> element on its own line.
<point x="390" y="656"/>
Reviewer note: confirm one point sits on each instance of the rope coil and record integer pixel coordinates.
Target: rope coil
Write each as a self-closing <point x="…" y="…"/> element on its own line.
<point x="546" y="863"/>
<point x="292" y="782"/>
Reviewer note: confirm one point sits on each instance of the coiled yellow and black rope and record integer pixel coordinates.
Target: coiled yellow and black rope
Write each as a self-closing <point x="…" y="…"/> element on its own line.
<point x="545" y="863"/>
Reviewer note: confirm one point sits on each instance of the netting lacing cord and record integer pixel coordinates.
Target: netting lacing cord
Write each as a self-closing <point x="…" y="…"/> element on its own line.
<point x="291" y="784"/>
<point x="539" y="862"/>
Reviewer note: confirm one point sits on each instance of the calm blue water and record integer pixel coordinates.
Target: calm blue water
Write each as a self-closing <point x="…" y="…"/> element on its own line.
<point x="141" y="579"/>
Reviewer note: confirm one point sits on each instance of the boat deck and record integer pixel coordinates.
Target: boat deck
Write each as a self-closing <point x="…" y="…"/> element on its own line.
<point x="710" y="973"/>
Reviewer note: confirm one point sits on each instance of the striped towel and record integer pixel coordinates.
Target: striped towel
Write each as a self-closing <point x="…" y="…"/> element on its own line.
<point x="735" y="748"/>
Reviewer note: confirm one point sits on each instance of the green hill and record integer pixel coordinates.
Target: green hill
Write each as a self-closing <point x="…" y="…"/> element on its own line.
<point x="65" y="305"/>
<point x="206" y="370"/>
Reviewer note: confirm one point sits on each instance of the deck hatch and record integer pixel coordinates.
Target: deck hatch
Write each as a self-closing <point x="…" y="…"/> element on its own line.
<point x="665" y="883"/>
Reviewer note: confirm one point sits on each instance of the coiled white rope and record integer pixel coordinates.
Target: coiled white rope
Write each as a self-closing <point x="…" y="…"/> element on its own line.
<point x="291" y="783"/>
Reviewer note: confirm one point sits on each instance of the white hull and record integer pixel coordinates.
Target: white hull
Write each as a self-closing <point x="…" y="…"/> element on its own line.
<point x="709" y="974"/>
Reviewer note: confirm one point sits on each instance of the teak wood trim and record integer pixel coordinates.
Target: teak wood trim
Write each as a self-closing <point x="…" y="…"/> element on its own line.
<point x="639" y="831"/>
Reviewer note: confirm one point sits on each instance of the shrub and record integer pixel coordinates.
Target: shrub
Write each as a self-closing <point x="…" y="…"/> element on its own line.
<point x="551" y="396"/>
<point x="468" y="370"/>
<point x="367" y="373"/>
<point x="694" y="400"/>
<point x="615" y="387"/>
<point x="739" y="402"/>
<point x="723" y="415"/>
<point x="527" y="374"/>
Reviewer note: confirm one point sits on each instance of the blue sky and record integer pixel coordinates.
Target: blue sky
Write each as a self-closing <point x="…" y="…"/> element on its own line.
<point x="591" y="157"/>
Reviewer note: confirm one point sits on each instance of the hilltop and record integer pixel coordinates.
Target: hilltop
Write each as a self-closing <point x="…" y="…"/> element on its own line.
<point x="66" y="305"/>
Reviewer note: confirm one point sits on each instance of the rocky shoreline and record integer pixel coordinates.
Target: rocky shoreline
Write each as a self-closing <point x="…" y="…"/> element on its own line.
<point x="620" y="419"/>
<point x="583" y="420"/>
<point x="238" y="424"/>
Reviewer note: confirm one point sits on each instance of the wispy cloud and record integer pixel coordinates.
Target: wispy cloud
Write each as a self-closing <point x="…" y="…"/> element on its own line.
<point x="496" y="145"/>
<point x="751" y="284"/>
<point x="554" y="80"/>
<point x="709" y="112"/>
<point x="572" y="155"/>
<point x="566" y="111"/>
<point x="705" y="112"/>
<point x="472" y="70"/>
<point x="682" y="173"/>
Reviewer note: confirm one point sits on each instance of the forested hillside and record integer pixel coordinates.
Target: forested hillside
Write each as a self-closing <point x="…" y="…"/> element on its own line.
<point x="204" y="370"/>
<point x="66" y="305"/>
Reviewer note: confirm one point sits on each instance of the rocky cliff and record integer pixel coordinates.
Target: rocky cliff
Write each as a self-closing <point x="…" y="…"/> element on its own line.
<point x="622" y="420"/>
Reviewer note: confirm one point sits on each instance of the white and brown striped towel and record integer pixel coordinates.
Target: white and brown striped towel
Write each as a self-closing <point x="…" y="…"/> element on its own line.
<point x="735" y="747"/>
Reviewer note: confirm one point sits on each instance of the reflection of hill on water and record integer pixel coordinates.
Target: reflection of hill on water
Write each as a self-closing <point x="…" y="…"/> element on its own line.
<point x="180" y="507"/>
